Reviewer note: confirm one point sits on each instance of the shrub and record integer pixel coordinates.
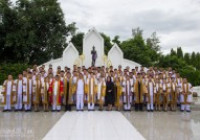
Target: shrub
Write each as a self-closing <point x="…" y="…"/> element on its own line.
<point x="13" y="69"/>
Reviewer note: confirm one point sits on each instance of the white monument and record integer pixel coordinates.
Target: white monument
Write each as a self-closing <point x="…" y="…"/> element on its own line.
<point x="92" y="39"/>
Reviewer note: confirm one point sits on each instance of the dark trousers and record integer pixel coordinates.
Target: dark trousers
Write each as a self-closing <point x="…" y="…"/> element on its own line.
<point x="139" y="107"/>
<point x="68" y="107"/>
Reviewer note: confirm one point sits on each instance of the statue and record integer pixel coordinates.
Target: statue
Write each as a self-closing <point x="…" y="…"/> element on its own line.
<point x="94" y="56"/>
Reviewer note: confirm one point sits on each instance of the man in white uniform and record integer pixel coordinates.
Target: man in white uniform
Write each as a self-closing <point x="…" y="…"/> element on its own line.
<point x="186" y="95"/>
<point x="151" y="91"/>
<point x="19" y="91"/>
<point x="80" y="93"/>
<point x="27" y="92"/>
<point x="7" y="93"/>
<point x="127" y="94"/>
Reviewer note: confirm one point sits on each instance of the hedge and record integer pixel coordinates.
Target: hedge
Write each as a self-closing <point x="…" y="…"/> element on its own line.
<point x="13" y="69"/>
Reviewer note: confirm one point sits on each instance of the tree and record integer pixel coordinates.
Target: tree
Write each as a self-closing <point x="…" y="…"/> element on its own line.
<point x="33" y="31"/>
<point x="187" y="58"/>
<point x="154" y="47"/>
<point x="197" y="65"/>
<point x="116" y="40"/>
<point x="107" y="42"/>
<point x="77" y="40"/>
<point x="7" y="30"/>
<point x="137" y="32"/>
<point x="193" y="59"/>
<point x="173" y="53"/>
<point x="154" y="42"/>
<point x="179" y="52"/>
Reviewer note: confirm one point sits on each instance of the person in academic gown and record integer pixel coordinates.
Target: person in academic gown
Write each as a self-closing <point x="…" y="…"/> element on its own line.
<point x="186" y="95"/>
<point x="8" y="93"/>
<point x="139" y="91"/>
<point x="80" y="93"/>
<point x="19" y="91"/>
<point x="68" y="92"/>
<point x="56" y="91"/>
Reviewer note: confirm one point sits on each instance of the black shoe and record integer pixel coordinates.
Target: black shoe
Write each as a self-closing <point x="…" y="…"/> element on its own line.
<point x="188" y="111"/>
<point x="5" y="110"/>
<point x="182" y="110"/>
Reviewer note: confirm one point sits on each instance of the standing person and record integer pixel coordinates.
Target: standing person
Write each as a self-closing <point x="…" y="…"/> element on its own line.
<point x="86" y="86"/>
<point x="56" y="91"/>
<point x="92" y="86"/>
<point x="118" y="101"/>
<point x="179" y="85"/>
<point x="139" y="91"/>
<point x="27" y="92"/>
<point x="186" y="95"/>
<point x="8" y="93"/>
<point x="68" y="92"/>
<point x="174" y="94"/>
<point x="167" y="92"/>
<point x="37" y="85"/>
<point x="75" y="76"/>
<point x="19" y="91"/>
<point x="101" y="91"/>
<point x="80" y="93"/>
<point x="127" y="94"/>
<point x="45" y="94"/>
<point x="110" y="97"/>
<point x="151" y="91"/>
<point x="158" y="88"/>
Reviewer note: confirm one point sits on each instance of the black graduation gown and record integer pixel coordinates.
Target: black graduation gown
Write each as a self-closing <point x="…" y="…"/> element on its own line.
<point x="110" y="96"/>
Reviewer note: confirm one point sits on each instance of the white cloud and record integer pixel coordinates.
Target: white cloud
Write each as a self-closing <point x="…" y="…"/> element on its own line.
<point x="176" y="22"/>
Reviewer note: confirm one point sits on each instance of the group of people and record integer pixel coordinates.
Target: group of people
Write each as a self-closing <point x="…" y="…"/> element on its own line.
<point x="97" y="87"/>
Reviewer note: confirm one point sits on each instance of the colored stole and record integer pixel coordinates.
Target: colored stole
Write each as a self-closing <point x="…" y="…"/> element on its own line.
<point x="58" y="92"/>
<point x="119" y="93"/>
<point x="91" y="96"/>
<point x="74" y="85"/>
<point x="127" y="92"/>
<point x="103" y="92"/>
<point x="27" y="91"/>
<point x="69" y="91"/>
<point x="5" y="92"/>
<point x="45" y="100"/>
<point x="149" y="98"/>
<point x="186" y="92"/>
<point x="17" y="85"/>
<point x="168" y="88"/>
<point x="37" y="90"/>
<point x="160" y="88"/>
<point x="86" y="86"/>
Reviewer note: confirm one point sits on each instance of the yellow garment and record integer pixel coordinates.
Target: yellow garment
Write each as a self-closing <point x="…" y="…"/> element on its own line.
<point x="37" y="92"/>
<point x="5" y="90"/>
<point x="143" y="90"/>
<point x="71" y="91"/>
<point x="119" y="94"/>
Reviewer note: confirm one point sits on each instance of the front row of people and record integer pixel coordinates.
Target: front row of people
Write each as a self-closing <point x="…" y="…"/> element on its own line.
<point x="26" y="93"/>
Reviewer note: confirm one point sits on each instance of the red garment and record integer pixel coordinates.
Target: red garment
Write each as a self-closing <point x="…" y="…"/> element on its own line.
<point x="59" y="92"/>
